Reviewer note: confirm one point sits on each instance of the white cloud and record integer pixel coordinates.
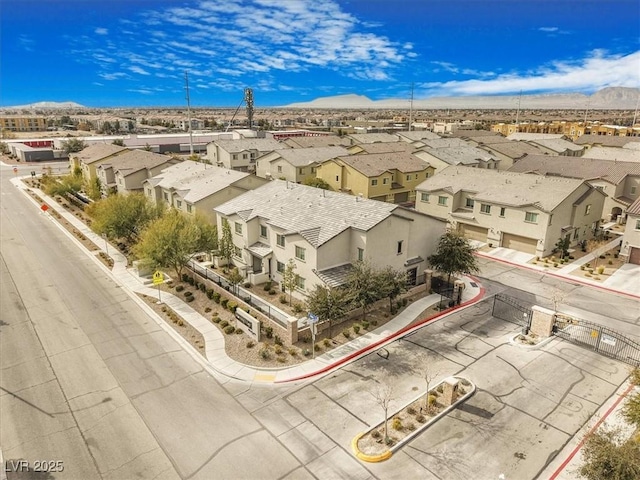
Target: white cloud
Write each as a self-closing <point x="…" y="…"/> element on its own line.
<point x="597" y="70"/>
<point x="101" y="31"/>
<point x="548" y="29"/>
<point x="138" y="70"/>
<point x="113" y="76"/>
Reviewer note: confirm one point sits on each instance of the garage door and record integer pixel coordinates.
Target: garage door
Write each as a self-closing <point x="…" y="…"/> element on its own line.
<point x="516" y="242"/>
<point x="473" y="232"/>
<point x="634" y="255"/>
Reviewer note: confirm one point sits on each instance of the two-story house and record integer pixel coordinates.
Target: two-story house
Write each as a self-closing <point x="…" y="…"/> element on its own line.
<point x="524" y="212"/>
<point x="125" y="173"/>
<point x="193" y="187"/>
<point x="466" y="155"/>
<point x="620" y="181"/>
<point x="241" y="154"/>
<point x="630" y="249"/>
<point x="295" y="164"/>
<point x="91" y="157"/>
<point x="323" y="232"/>
<point x="387" y="177"/>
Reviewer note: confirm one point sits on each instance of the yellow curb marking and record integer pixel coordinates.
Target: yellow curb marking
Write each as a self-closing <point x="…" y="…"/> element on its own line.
<point x="262" y="377"/>
<point x="368" y="458"/>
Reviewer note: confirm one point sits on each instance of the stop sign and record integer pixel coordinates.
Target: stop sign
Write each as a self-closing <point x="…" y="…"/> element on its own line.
<point x="44" y="207"/>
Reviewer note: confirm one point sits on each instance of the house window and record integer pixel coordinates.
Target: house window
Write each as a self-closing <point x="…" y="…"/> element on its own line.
<point x="300" y="253"/>
<point x="502" y="211"/>
<point x="313" y="169"/>
<point x="587" y="209"/>
<point x="416" y="176"/>
<point x="442" y="201"/>
<point x="374" y="182"/>
<point x="531" y="217"/>
<point x="280" y="267"/>
<point x="178" y="204"/>
<point x="234" y="156"/>
<point x="385" y="181"/>
<point x="408" y="177"/>
<point x="399" y="247"/>
<point x="244" y="156"/>
<point x="263" y="231"/>
<point x="424" y="197"/>
<point x="337" y="178"/>
<point x="148" y="192"/>
<point x="360" y="254"/>
<point x="637" y="224"/>
<point x="238" y="227"/>
<point x="280" y="240"/>
<point x="253" y="155"/>
<point x="165" y="195"/>
<point x="484" y="208"/>
<point x="302" y="171"/>
<point x="189" y="207"/>
<point x="237" y="251"/>
<point x="470" y="203"/>
<point x="279" y="168"/>
<point x="575" y="234"/>
<point x="633" y="190"/>
<point x="550" y="219"/>
<point x="300" y="282"/>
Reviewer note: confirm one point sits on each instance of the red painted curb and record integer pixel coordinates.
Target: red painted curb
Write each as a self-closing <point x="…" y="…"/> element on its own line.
<point x="565" y="277"/>
<point x="593" y="429"/>
<point x="373" y="346"/>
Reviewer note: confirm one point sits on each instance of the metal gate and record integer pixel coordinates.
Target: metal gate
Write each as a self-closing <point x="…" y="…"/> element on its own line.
<point x="509" y="309"/>
<point x="596" y="337"/>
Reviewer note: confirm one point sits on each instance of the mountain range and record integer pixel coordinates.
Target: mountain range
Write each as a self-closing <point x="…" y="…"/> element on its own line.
<point x="611" y="98"/>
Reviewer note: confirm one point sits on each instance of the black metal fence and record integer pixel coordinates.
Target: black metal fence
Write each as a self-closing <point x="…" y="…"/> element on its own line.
<point x="266" y="308"/>
<point x="512" y="310"/>
<point x="601" y="339"/>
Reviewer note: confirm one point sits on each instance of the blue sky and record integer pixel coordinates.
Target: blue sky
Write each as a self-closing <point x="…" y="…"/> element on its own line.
<point x="135" y="52"/>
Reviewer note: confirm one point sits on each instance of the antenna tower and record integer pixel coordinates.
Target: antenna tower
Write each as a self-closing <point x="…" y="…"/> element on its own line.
<point x="248" y="100"/>
<point x="411" y="108"/>
<point x="186" y="86"/>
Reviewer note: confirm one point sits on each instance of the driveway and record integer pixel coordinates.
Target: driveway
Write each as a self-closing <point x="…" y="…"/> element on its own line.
<point x="626" y="278"/>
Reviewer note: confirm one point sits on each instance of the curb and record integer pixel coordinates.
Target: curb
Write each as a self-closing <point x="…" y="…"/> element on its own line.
<point x="368" y="458"/>
<point x="393" y="336"/>
<point x="563" y="277"/>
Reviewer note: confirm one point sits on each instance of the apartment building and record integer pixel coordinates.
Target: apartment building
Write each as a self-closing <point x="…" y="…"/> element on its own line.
<point x="90" y="158"/>
<point x="241" y="154"/>
<point x="23" y="124"/>
<point x="295" y="164"/>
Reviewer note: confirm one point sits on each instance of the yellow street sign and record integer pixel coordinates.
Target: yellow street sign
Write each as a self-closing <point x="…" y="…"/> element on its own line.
<point x="158" y="277"/>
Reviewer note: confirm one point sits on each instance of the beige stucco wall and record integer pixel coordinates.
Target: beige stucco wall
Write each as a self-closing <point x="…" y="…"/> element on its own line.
<point x="631" y="237"/>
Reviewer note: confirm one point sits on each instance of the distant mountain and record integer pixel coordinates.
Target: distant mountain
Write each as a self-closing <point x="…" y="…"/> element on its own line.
<point x="613" y="98"/>
<point x="47" y="106"/>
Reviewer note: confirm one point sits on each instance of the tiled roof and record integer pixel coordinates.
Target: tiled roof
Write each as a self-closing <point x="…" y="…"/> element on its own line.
<point x="135" y="160"/>
<point x="576" y="167"/>
<point x="634" y="209"/>
<point x="605" y="140"/>
<point x="373" y="137"/>
<point x="513" y="149"/>
<point x="504" y="188"/>
<point x="98" y="151"/>
<point x="194" y="181"/>
<point x="417" y="135"/>
<point x="373" y="165"/>
<point x="386" y="147"/>
<point x="243" y="144"/>
<point x="323" y="141"/>
<point x="466" y="155"/>
<point x="613" y="153"/>
<point x="445" y="143"/>
<point x="301" y="157"/>
<point x="525" y="136"/>
<point x="318" y="215"/>
<point x="335" y="276"/>
<point x="474" y="133"/>
<point x="260" y="249"/>
<point x="557" y="145"/>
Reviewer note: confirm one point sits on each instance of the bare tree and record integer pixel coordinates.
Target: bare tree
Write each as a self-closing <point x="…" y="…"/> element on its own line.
<point x="557" y="298"/>
<point x="383" y="395"/>
<point x="429" y="376"/>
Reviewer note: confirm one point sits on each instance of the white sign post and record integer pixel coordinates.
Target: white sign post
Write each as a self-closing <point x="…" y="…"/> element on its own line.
<point x="158" y="278"/>
<point x="313" y="320"/>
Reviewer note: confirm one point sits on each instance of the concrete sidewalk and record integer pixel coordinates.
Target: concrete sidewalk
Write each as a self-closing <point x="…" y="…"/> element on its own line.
<point x="625" y="280"/>
<point x="216" y="357"/>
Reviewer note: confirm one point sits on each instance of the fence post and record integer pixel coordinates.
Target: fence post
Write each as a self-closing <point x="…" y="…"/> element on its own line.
<point x="599" y="337"/>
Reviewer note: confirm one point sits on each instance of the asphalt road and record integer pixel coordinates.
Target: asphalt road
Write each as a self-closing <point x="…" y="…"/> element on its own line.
<point x="90" y="380"/>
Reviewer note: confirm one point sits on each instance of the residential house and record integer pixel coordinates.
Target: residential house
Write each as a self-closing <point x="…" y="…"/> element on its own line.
<point x="125" y="173"/>
<point x="443" y="157"/>
<point x="529" y="213"/>
<point x="620" y="181"/>
<point x="91" y="157"/>
<point x="193" y="187"/>
<point x="613" y="153"/>
<point x="387" y="177"/>
<point x="241" y="154"/>
<point x="557" y="146"/>
<point x="387" y="147"/>
<point x="417" y="138"/>
<point x="510" y="152"/>
<point x="589" y="141"/>
<point x="357" y="138"/>
<point x="323" y="232"/>
<point x="316" y="142"/>
<point x="295" y="164"/>
<point x="630" y="249"/>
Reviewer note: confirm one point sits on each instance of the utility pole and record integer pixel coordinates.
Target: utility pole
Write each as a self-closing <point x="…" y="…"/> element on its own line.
<point x="518" y="111"/>
<point x="635" y="115"/>
<point x="411" y="108"/>
<point x="186" y="83"/>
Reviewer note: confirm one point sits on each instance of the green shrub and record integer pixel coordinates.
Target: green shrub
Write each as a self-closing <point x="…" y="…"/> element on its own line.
<point x="223" y="323"/>
<point x="185" y="277"/>
<point x="432" y="400"/>
<point x="278" y="341"/>
<point x="411" y="427"/>
<point x="600" y="269"/>
<point x="239" y="331"/>
<point x="216" y="297"/>
<point x="229" y="329"/>
<point x="374" y="323"/>
<point x="376" y="434"/>
<point x="555" y="264"/>
<point x="365" y="325"/>
<point x="411" y="411"/>
<point x="203" y="287"/>
<point x="188" y="294"/>
<point x="571" y="257"/>
<point x="281" y="359"/>
<point x="207" y="309"/>
<point x="404" y="302"/>
<point x="191" y="281"/>
<point x="210" y="294"/>
<point x="272" y="292"/>
<point x="180" y="322"/>
<point x="317" y="347"/>
<point x="232" y="306"/>
<point x="610" y="262"/>
<point x="265" y="353"/>
<point x="297" y="307"/>
<point x="326" y="342"/>
<point x="215" y="318"/>
<point x="440" y="389"/>
<point x="247" y="285"/>
<point x="267" y="286"/>
<point x="224" y="301"/>
<point x="306" y="352"/>
<point x="278" y="350"/>
<point x="251" y="344"/>
<point x="189" y="299"/>
<point x="581" y="267"/>
<point x="268" y="331"/>
<point x="346" y="333"/>
<point x="293" y="352"/>
<point x="179" y="288"/>
<point x="283" y="299"/>
<point x="356" y="328"/>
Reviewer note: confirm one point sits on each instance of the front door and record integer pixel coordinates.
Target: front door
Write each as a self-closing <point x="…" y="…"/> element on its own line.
<point x="412" y="276"/>
<point x="257" y="264"/>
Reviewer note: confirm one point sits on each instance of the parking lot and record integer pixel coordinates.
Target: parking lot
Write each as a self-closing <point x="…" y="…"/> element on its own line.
<point x="529" y="403"/>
